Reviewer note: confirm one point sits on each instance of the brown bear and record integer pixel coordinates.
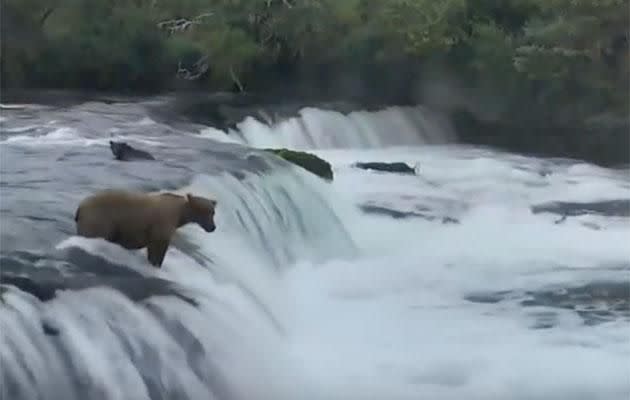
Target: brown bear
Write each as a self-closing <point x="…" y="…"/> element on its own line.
<point x="137" y="220"/>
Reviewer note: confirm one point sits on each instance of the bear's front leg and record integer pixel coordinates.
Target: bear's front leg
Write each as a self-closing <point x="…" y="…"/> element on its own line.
<point x="156" y="250"/>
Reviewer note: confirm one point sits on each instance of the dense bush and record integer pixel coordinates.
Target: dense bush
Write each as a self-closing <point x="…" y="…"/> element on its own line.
<point x="551" y="66"/>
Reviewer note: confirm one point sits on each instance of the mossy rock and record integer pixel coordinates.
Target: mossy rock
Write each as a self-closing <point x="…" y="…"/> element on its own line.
<point x="308" y="161"/>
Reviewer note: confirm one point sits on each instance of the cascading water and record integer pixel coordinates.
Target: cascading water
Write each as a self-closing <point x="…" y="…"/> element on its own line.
<point x="450" y="287"/>
<point x="267" y="221"/>
<point x="314" y="128"/>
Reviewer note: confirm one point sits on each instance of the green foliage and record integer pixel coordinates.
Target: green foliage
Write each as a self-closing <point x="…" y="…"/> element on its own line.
<point x="580" y="47"/>
<point x="231" y="53"/>
<point x="308" y="161"/>
<point x="22" y="39"/>
<point x="563" y="60"/>
<point x="425" y="26"/>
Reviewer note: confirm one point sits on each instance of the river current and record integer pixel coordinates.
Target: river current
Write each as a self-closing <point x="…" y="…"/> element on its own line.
<point x="484" y="275"/>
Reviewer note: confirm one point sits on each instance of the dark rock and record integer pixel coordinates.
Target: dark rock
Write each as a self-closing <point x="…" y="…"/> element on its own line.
<point x="487" y="298"/>
<point x="450" y="220"/>
<point x="603" y="141"/>
<point x="309" y="162"/>
<point x="396" y="214"/>
<point x="595" y="302"/>
<point x="372" y="209"/>
<point x="607" y="208"/>
<point x="137" y="289"/>
<point x="395" y="167"/>
<point x="42" y="291"/>
<point x="124" y="152"/>
<point x="49" y="330"/>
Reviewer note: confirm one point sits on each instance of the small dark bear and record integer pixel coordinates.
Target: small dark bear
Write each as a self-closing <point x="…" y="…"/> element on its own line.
<point x="123" y="152"/>
<point x="138" y="220"/>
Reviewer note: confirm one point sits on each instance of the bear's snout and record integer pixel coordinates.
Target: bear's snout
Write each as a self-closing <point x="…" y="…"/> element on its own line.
<point x="208" y="227"/>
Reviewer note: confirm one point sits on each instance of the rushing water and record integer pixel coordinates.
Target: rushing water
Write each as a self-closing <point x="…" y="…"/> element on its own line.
<point x="486" y="275"/>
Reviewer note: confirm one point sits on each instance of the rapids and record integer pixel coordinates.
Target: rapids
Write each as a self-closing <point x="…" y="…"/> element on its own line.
<point x="450" y="284"/>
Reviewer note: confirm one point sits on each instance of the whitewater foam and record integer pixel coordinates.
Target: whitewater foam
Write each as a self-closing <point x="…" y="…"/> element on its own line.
<point x="395" y="324"/>
<point x="20" y="129"/>
<point x="68" y="136"/>
<point x="236" y="284"/>
<point x="314" y="128"/>
<point x="145" y="121"/>
<point x="301" y="296"/>
<point x="216" y="134"/>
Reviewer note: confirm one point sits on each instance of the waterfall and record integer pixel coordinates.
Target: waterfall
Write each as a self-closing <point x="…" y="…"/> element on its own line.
<point x="323" y="129"/>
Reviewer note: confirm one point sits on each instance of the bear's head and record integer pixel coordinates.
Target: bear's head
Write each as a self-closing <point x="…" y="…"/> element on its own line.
<point x="118" y="148"/>
<point x="201" y="211"/>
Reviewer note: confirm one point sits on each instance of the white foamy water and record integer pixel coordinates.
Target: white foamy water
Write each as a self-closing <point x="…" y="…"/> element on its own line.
<point x="315" y="128"/>
<point x="67" y="136"/>
<point x="218" y="135"/>
<point x="20" y="129"/>
<point x="12" y="106"/>
<point x="58" y="136"/>
<point x="146" y="121"/>
<point x="394" y="323"/>
<point x="301" y="296"/>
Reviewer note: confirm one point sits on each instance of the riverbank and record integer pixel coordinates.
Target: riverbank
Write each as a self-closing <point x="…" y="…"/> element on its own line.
<point x="534" y="76"/>
<point x="603" y="141"/>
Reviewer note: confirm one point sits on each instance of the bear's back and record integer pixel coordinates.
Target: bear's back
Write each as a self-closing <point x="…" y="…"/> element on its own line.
<point x="129" y="218"/>
<point x="116" y="200"/>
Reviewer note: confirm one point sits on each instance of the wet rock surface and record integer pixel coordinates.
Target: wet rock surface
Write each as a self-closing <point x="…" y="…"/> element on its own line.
<point x="594" y="302"/>
<point x="607" y="208"/>
<point x="393" y="167"/>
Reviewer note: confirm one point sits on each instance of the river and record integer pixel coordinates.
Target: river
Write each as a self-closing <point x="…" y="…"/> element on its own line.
<point x="484" y="275"/>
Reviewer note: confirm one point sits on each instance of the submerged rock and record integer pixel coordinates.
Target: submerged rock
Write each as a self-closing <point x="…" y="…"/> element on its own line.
<point x="595" y="302"/>
<point x="395" y="167"/>
<point x="309" y="162"/>
<point x="136" y="289"/>
<point x="396" y="214"/>
<point x="606" y="208"/>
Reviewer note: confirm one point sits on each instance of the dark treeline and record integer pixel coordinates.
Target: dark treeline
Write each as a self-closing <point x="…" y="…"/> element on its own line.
<point x="547" y="76"/>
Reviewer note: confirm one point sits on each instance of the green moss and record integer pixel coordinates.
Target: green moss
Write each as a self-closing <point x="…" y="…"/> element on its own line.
<point x="309" y="162"/>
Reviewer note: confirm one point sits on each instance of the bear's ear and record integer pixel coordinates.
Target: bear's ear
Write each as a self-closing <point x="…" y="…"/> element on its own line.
<point x="213" y="202"/>
<point x="189" y="197"/>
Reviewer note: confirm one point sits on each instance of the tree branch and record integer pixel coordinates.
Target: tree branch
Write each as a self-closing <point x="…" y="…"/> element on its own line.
<point x="45" y="15"/>
<point x="285" y="2"/>
<point x="201" y="66"/>
<point x="182" y="24"/>
<point x="236" y="80"/>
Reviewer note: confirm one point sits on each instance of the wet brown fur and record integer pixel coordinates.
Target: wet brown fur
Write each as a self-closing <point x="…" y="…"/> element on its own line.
<point x="138" y="220"/>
